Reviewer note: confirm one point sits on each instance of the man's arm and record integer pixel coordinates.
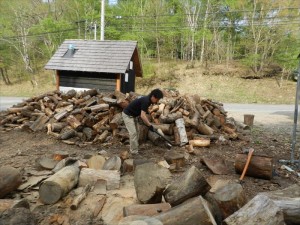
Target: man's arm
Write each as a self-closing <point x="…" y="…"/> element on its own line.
<point x="145" y="118"/>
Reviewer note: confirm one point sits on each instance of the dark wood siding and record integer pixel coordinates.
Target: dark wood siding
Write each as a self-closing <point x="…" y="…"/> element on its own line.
<point x="101" y="81"/>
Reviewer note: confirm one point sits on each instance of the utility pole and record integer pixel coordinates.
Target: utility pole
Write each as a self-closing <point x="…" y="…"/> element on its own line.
<point x="102" y="20"/>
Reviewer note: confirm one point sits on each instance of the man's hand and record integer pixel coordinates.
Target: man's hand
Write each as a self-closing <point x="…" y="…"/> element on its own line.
<point x="152" y="128"/>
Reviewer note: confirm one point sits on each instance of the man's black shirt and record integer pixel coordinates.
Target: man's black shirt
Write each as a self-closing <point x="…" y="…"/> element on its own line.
<point x="136" y="106"/>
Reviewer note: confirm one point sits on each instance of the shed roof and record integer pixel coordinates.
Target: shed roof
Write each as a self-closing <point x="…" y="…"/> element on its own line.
<point x="96" y="56"/>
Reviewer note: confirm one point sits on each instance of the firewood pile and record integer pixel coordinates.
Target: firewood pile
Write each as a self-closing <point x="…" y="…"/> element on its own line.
<point x="93" y="117"/>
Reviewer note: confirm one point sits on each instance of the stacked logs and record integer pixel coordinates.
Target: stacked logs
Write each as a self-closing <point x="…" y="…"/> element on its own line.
<point x="91" y="116"/>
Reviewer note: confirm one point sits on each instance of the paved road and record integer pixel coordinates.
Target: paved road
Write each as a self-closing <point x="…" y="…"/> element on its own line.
<point x="7" y="102"/>
<point x="264" y="114"/>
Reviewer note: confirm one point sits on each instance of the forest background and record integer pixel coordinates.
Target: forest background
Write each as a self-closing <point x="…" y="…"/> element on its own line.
<point x="251" y="39"/>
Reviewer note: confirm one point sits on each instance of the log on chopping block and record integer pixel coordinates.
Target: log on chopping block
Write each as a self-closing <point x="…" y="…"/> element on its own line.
<point x="6" y="204"/>
<point x="193" y="211"/>
<point x="288" y="200"/>
<point x="259" y="166"/>
<point x="226" y="200"/>
<point x="190" y="184"/>
<point x="79" y="198"/>
<point x="145" y="209"/>
<point x="59" y="184"/>
<point x="260" y="210"/>
<point x="10" y="179"/>
<point x="90" y="176"/>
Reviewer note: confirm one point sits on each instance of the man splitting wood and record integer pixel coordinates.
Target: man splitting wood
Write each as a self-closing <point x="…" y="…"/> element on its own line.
<point x="139" y="107"/>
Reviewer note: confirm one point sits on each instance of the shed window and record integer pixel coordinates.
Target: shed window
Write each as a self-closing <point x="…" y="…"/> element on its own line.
<point x="70" y="52"/>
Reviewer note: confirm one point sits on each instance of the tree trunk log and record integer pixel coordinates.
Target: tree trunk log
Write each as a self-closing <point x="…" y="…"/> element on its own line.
<point x="288" y="200"/>
<point x="191" y="212"/>
<point x="182" y="132"/>
<point x="59" y="184"/>
<point x="176" y="136"/>
<point x="204" y="129"/>
<point x="260" y="166"/>
<point x="260" y="210"/>
<point x="74" y="123"/>
<point x="165" y="128"/>
<point x="154" y="137"/>
<point x="10" y="179"/>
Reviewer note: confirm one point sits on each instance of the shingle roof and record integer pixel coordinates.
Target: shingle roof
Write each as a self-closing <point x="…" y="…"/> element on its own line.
<point x="94" y="56"/>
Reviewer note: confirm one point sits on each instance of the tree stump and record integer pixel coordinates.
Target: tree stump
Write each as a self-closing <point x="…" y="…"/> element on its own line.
<point x="227" y="199"/>
<point x="260" y="210"/>
<point x="288" y="200"/>
<point x="10" y="179"/>
<point x="249" y="119"/>
<point x="59" y="184"/>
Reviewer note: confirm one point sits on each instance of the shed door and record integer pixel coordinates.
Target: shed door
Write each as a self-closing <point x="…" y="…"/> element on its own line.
<point x="128" y="82"/>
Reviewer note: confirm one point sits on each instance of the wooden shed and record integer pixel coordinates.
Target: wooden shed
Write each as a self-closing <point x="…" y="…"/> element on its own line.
<point x="103" y="65"/>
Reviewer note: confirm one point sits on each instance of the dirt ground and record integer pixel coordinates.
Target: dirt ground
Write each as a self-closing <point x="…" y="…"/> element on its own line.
<point x="269" y="136"/>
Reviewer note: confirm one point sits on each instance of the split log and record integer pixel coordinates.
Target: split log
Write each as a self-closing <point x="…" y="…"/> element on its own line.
<point x="260" y="166"/>
<point x="99" y="107"/>
<point x="88" y="133"/>
<point x="200" y="142"/>
<point x="146" y="209"/>
<point x="101" y="123"/>
<point x="39" y="124"/>
<point x="80" y="197"/>
<point x="59" y="184"/>
<point x="69" y="133"/>
<point x="288" y="200"/>
<point x="260" y="210"/>
<point x="58" y="116"/>
<point x="182" y="132"/>
<point x="59" y="155"/>
<point x="74" y="123"/>
<point x="186" y="214"/>
<point x="96" y="162"/>
<point x="10" y="179"/>
<point x="160" y="109"/>
<point x="189" y="185"/>
<point x="6" y="204"/>
<point x="103" y="136"/>
<point x="90" y="176"/>
<point x="226" y="200"/>
<point x="204" y="129"/>
<point x="57" y="127"/>
<point x="116" y="121"/>
<point x="113" y="163"/>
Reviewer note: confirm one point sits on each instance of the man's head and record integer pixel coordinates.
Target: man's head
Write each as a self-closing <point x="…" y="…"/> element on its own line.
<point x="155" y="95"/>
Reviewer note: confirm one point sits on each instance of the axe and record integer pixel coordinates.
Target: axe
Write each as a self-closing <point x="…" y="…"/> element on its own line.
<point x="250" y="153"/>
